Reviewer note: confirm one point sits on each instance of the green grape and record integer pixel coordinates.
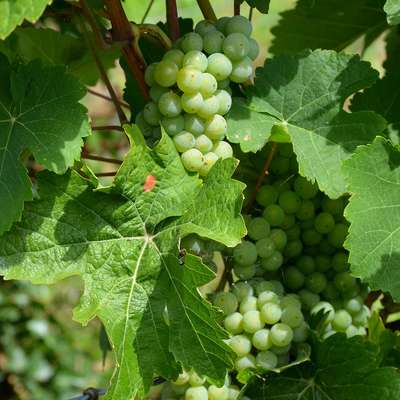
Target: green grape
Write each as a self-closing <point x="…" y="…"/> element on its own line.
<point x="249" y="303"/>
<point x="151" y="114"/>
<point x="204" y="144"/>
<point x="294" y="279"/>
<point x="252" y="321"/>
<point x="248" y="361"/>
<point x="233" y="323"/>
<point x="223" y="150"/>
<point x="240" y="24"/>
<point x="300" y="333"/>
<point x="242" y="290"/>
<point x="288" y="222"/>
<point x="192" y="160"/>
<point x="322" y="262"/>
<point x="236" y="46"/>
<point x="245" y="253"/>
<point x="183" y="379"/>
<point x="282" y="185"/>
<point x="361" y="318"/>
<point x="174" y="125"/>
<point x="281" y="335"/>
<point x="311" y="237"/>
<point x="212" y="42"/>
<point x="270" y="313"/>
<point x="225" y="85"/>
<point x="266" y="360"/>
<point x="219" y="65"/>
<point x="308" y="299"/>
<point x="209" y="108"/>
<point x="145" y="128"/>
<point x="354" y="331"/>
<point x="203" y="27"/>
<point x="192" y="102"/>
<point x="208" y="84"/>
<point x="191" y="41"/>
<point x="338" y="235"/>
<point x="324" y="223"/>
<point x="210" y="159"/>
<point x="184" y="141"/>
<point x="227" y="302"/>
<point x="196" y="393"/>
<point x="316" y="282"/>
<point x="156" y="92"/>
<point x="267" y="195"/>
<point x="278" y="236"/>
<point x="149" y="75"/>
<point x="263" y="286"/>
<point x="216" y="126"/>
<point x="274" y="214"/>
<point x="240" y="345"/>
<point x="244" y="272"/>
<point x="261" y="340"/>
<point x="293" y="248"/>
<point x="326" y="248"/>
<point x="340" y="262"/>
<point x="292" y="316"/>
<point x="174" y="55"/>
<point x="267" y="296"/>
<point x="241" y="70"/>
<point x="327" y="308"/>
<point x="170" y="104"/>
<point x="330" y="292"/>
<point x="289" y="202"/>
<point x="221" y="23"/>
<point x="189" y="80"/>
<point x="194" y="124"/>
<point x="307" y="224"/>
<point x="293" y="233"/>
<point x="280" y="351"/>
<point x="291" y="300"/>
<point x="306" y="210"/>
<point x="305" y="264"/>
<point x="334" y="207"/>
<point x="344" y="282"/>
<point x="341" y="321"/>
<point x="280" y="165"/>
<point x="354" y="306"/>
<point x="195" y="59"/>
<point x="254" y="49"/>
<point x="218" y="393"/>
<point x="224" y="100"/>
<point x="278" y="287"/>
<point x="165" y="73"/>
<point x="304" y="188"/>
<point x="258" y="228"/>
<point x="273" y="262"/>
<point x="196" y="380"/>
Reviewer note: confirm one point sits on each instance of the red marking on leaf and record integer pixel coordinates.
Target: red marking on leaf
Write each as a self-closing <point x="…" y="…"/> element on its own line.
<point x="149" y="183"/>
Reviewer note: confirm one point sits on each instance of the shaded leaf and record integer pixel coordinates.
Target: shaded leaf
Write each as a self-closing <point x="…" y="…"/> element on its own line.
<point x="392" y="9"/>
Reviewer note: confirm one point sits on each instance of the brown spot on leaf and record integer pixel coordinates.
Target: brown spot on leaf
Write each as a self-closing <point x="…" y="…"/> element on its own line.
<point x="149" y="183"/>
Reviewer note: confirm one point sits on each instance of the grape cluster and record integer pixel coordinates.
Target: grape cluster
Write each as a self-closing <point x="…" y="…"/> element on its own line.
<point x="190" y="89"/>
<point x="190" y="386"/>
<point x="266" y="326"/>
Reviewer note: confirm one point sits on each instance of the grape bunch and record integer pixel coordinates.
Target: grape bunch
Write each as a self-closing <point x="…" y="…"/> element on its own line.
<point x="266" y="325"/>
<point x="190" y="89"/>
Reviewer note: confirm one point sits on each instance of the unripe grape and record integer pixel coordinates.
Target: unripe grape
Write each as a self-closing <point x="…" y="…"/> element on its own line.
<point x="240" y="24"/>
<point x="273" y="262"/>
<point x="263" y="286"/>
<point x="151" y="114"/>
<point x="293" y="249"/>
<point x="174" y="55"/>
<point x="192" y="160"/>
<point x="196" y="380"/>
<point x="223" y="149"/>
<point x="334" y="207"/>
<point x="189" y="80"/>
<point x="249" y="303"/>
<point x="340" y="262"/>
<point x="233" y="323"/>
<point x="324" y="223"/>
<point x="215" y="127"/>
<point x="341" y="321"/>
<point x="248" y="361"/>
<point x="240" y="345"/>
<point x="292" y="316"/>
<point x="289" y="202"/>
<point x="361" y="318"/>
<point x="311" y="237"/>
<point x="305" y="264"/>
<point x="196" y="393"/>
<point x="252" y="321"/>
<point x="221" y="23"/>
<point x="149" y="74"/>
<point x="156" y="92"/>
<point x="170" y="104"/>
<point x="208" y="84"/>
<point x="242" y="290"/>
<point x="337" y="235"/>
<point x="174" y="125"/>
<point x="204" y="144"/>
<point x="183" y="379"/>
<point x="281" y="335"/>
<point x="265" y="247"/>
<point x="226" y="301"/>
<point x="278" y="236"/>
<point x="203" y="27"/>
<point x="225" y="101"/>
<point x="306" y="210"/>
<point x="267" y="296"/>
<point x="225" y="85"/>
<point x="192" y="102"/>
<point x="210" y="159"/>
<point x="261" y="340"/>
<point x="195" y="59"/>
<point x="212" y="42"/>
<point x="344" y="282"/>
<point x="322" y="263"/>
<point x="304" y="188"/>
<point x="144" y="127"/>
<point x="192" y="41"/>
<point x="254" y="49"/>
<point x="327" y="308"/>
<point x="184" y="141"/>
<point x="165" y="73"/>
<point x="241" y="70"/>
<point x="300" y="333"/>
<point x="270" y="313"/>
<point x="308" y="299"/>
<point x="245" y="253"/>
<point x="236" y="46"/>
<point x="294" y="279"/>
<point x="354" y="306"/>
<point x="218" y="393"/>
<point x="316" y="282"/>
<point x="209" y="108"/>
<point x="258" y="228"/>
<point x="279" y="350"/>
<point x="266" y="360"/>
<point x="219" y="65"/>
<point x="267" y="195"/>
<point x="194" y="124"/>
<point x="274" y="214"/>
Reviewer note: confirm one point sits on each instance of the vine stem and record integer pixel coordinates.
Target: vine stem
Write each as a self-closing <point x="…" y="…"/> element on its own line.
<point x="103" y="96"/>
<point x="263" y="174"/>
<point x="87" y="12"/>
<point x="88" y="156"/>
<point x="104" y="174"/>
<point x="172" y="19"/>
<point x="207" y="10"/>
<point x="107" y="128"/>
<point x="146" y="13"/>
<point x="236" y="7"/>
<point x="251" y="13"/>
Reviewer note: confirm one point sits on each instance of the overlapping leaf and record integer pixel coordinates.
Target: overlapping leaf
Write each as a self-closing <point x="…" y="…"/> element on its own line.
<point x="39" y="111"/>
<point x="123" y="241"/>
<point x="342" y="369"/>
<point x="373" y="175"/>
<point x="328" y="24"/>
<point x="302" y="97"/>
<point x="392" y="9"/>
<point x="14" y="12"/>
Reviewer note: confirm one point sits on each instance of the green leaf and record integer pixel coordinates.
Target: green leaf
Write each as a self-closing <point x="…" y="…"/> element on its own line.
<point x="392" y="9"/>
<point x="13" y="13"/>
<point x="302" y="96"/>
<point x="327" y="24"/>
<point x="124" y="243"/>
<point x="342" y="369"/>
<point x="260" y="5"/>
<point x="39" y="111"/>
<point x="373" y="176"/>
<point x="56" y="48"/>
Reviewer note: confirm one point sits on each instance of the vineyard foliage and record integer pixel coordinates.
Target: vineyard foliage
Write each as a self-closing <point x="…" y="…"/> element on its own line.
<point x="314" y="102"/>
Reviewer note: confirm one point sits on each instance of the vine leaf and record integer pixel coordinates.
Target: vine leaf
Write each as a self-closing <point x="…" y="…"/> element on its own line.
<point x="39" y="111"/>
<point x="328" y="24"/>
<point x="261" y="5"/>
<point x="13" y="13"/>
<point x="123" y="242"/>
<point x="373" y="175"/>
<point x="392" y="9"/>
<point x="342" y="369"/>
<point x="302" y="96"/>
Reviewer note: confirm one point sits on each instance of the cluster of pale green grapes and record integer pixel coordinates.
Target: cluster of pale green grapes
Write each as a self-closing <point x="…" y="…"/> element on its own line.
<point x="190" y="89"/>
<point x="190" y="386"/>
<point x="266" y="326"/>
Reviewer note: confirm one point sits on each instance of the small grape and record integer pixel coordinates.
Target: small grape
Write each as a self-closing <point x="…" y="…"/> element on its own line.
<point x="354" y="306"/>
<point x="289" y="202"/>
<point x="361" y="318"/>
<point x="308" y="299"/>
<point x="183" y="379"/>
<point x="145" y="128"/>
<point x="300" y="333"/>
<point x="233" y="323"/>
<point x="311" y="237"/>
<point x="306" y="210"/>
<point x="263" y="286"/>
<point x="233" y="393"/>
<point x="225" y="101"/>
<point x="208" y="85"/>
<point x="156" y="92"/>
<point x="236" y="46"/>
<point x="219" y="65"/>
<point x="330" y="292"/>
<point x="294" y="279"/>
<point x="240" y="345"/>
<point x="266" y="360"/>
<point x="218" y="393"/>
<point x="210" y="159"/>
<point x="267" y="296"/>
<point x="288" y="222"/>
<point x="203" y="27"/>
<point x="316" y="282"/>
<point x="265" y="247"/>
<point x="291" y="300"/>
<point x="249" y="303"/>
<point x="192" y="41"/>
<point x="241" y="70"/>
<point x="149" y="74"/>
<point x="252" y="321"/>
<point x="334" y="207"/>
<point x="165" y="73"/>
<point x="292" y="316"/>
<point x="274" y="214"/>
<point x="245" y="253"/>
<point x="337" y="236"/>
<point x="254" y="49"/>
<point x="184" y="141"/>
<point x="355" y="331"/>
<point x="221" y="23"/>
<point x="278" y="287"/>
<point x="151" y="114"/>
<point x="280" y="166"/>
<point x="204" y="144"/>
<point x="278" y="236"/>
<point x="174" y="55"/>
<point x="244" y="272"/>
<point x="305" y="264"/>
<point x="322" y="262"/>
<point x="304" y="188"/>
<point x="193" y="244"/>
<point x="192" y="102"/>
<point x="270" y="313"/>
<point x="341" y="321"/>
<point x="212" y="42"/>
<point x="344" y="282"/>
<point x="196" y="380"/>
<point x="242" y="290"/>
<point x="189" y="80"/>
<point x="327" y="308"/>
<point x="223" y="150"/>
<point x="195" y="59"/>
<point x="174" y="125"/>
<point x="170" y="104"/>
<point x="261" y="340"/>
<point x="267" y="195"/>
<point x="324" y="223"/>
<point x="227" y="302"/>
<point x="194" y="124"/>
<point x="216" y="126"/>
<point x="258" y="228"/>
<point x="196" y="393"/>
<point x="273" y="262"/>
<point x="293" y="248"/>
<point x="340" y="262"/>
<point x="192" y="160"/>
<point x="248" y="361"/>
<point x="293" y="233"/>
<point x="281" y="334"/>
<point x="240" y="24"/>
